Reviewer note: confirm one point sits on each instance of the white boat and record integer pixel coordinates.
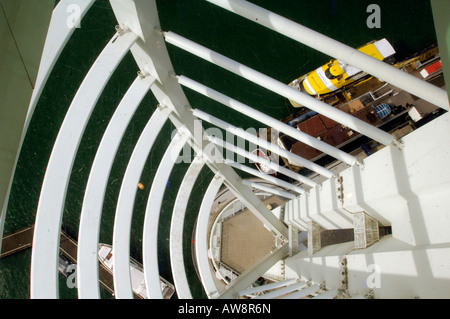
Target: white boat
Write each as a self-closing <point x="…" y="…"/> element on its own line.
<point x="105" y="253"/>
<point x="262" y="168"/>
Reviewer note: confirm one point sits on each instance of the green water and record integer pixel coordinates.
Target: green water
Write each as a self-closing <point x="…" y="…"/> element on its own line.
<point x="407" y="25"/>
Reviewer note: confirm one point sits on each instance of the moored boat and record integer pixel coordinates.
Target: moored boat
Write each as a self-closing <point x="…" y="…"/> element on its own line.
<point x="105" y="254"/>
<point x="337" y="74"/>
<point x="262" y="168"/>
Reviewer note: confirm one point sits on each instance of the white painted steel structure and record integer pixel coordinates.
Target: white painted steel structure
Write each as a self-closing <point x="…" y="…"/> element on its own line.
<point x="125" y="203"/>
<point x="51" y="203"/>
<point x="405" y="187"/>
<point x="293" y="158"/>
<point x="96" y="187"/>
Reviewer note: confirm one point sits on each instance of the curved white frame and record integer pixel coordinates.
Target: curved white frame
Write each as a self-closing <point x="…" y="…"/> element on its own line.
<point x="201" y="238"/>
<point x="214" y="225"/>
<point x="176" y="228"/>
<point x="152" y="212"/>
<point x="91" y="212"/>
<point x="51" y="203"/>
<point x="125" y="203"/>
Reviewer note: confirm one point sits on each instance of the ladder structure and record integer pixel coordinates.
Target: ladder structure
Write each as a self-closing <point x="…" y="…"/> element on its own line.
<point x="405" y="185"/>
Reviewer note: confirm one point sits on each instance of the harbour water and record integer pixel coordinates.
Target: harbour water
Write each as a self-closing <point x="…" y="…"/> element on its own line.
<point x="408" y="26"/>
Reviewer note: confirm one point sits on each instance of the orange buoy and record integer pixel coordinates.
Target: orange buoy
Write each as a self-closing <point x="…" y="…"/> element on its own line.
<point x="141" y="186"/>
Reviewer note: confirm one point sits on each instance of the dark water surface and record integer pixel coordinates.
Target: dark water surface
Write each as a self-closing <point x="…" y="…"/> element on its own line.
<point x="407" y="25"/>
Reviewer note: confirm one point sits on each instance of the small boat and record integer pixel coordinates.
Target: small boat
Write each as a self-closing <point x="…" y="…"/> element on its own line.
<point x="65" y="266"/>
<point x="262" y="168"/>
<point x="435" y="67"/>
<point x="105" y="253"/>
<point x="337" y="74"/>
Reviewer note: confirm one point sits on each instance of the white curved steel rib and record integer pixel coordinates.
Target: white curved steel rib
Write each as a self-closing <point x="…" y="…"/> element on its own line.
<point x="234" y="182"/>
<point x="176" y="228"/>
<point x="59" y="32"/>
<point x="125" y="203"/>
<point x="269" y="178"/>
<point x="152" y="213"/>
<point x="44" y="261"/>
<point x="201" y="236"/>
<point x="57" y="36"/>
<point x="91" y="212"/>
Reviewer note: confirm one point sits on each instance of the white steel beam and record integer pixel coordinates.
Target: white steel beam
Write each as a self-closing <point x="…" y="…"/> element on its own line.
<point x="152" y="213"/>
<point x="268" y="120"/>
<point x="44" y="262"/>
<point x="303" y="292"/>
<point x="91" y="211"/>
<point x="333" y="48"/>
<point x="292" y="158"/>
<point x="201" y="238"/>
<point x="263" y="288"/>
<point x="125" y="203"/>
<point x="176" y="228"/>
<point x="280" y="88"/>
<point x="281" y="291"/>
<point x="265" y="162"/>
<point x="268" y="189"/>
<point x="266" y="177"/>
<point x="249" y="276"/>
